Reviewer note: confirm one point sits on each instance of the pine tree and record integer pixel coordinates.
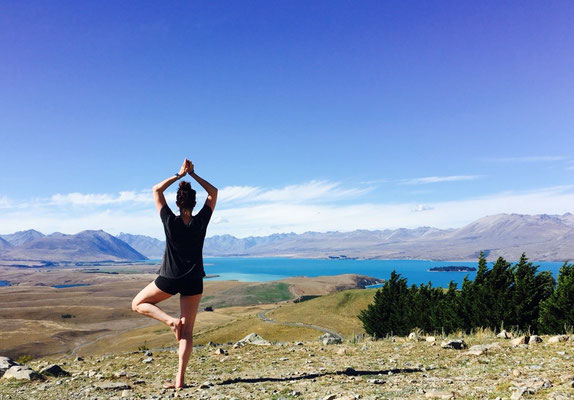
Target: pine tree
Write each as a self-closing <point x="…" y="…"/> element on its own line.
<point x="557" y="312"/>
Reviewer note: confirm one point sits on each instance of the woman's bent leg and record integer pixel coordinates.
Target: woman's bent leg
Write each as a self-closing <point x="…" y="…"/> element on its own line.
<point x="145" y="303"/>
<point x="189" y="306"/>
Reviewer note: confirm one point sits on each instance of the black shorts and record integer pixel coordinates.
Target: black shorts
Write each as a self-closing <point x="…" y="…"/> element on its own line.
<point x="185" y="286"/>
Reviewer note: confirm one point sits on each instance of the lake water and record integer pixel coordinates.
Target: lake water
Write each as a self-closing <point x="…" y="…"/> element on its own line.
<point x="5" y="283"/>
<point x="415" y="271"/>
<point x="71" y="285"/>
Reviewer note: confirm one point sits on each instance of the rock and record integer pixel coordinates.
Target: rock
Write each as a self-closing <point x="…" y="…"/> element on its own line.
<point x="413" y="336"/>
<point x="458" y="344"/>
<point x="120" y="374"/>
<point x="376" y="381"/>
<point x="330" y="397"/>
<point x="518" y="393"/>
<point x="480" y="349"/>
<point x="558" y="339"/>
<point x="430" y="339"/>
<point x="5" y="364"/>
<point x="126" y="393"/>
<point x="112" y="386"/>
<point x="148" y="353"/>
<point x="148" y="360"/>
<point x="206" y="385"/>
<point x="220" y="352"/>
<point x="78" y="359"/>
<point x="520" y="340"/>
<point x="434" y="394"/>
<point x="208" y="309"/>
<point x="504" y="335"/>
<point x="328" y="339"/>
<point x="534" y="339"/>
<point x="342" y="351"/>
<point x="54" y="370"/>
<point x="22" y="372"/>
<point x="253" y="338"/>
<point x="476" y="350"/>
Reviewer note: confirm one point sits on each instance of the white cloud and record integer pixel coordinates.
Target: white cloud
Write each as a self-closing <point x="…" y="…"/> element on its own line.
<point x="101" y="199"/>
<point x="280" y="210"/>
<point x="436" y="179"/>
<point x="421" y="207"/>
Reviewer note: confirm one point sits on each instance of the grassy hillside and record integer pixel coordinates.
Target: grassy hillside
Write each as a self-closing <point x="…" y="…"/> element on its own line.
<point x="336" y="311"/>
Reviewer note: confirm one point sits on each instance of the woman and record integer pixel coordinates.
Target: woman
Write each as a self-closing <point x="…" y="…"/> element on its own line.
<point x="182" y="265"/>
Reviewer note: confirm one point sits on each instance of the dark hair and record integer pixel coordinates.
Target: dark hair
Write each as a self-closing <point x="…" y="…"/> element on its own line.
<point x="185" y="196"/>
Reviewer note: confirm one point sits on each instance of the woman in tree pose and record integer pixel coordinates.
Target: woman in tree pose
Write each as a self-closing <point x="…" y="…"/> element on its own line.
<point x="182" y="265"/>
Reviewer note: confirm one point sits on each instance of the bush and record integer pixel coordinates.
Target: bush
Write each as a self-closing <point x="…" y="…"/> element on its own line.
<point x="557" y="312"/>
<point x="515" y="296"/>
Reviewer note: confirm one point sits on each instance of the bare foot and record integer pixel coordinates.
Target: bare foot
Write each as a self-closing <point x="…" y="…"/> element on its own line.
<point x="175" y="327"/>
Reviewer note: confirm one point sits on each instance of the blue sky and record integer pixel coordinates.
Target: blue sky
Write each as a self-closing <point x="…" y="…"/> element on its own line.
<point x="317" y="115"/>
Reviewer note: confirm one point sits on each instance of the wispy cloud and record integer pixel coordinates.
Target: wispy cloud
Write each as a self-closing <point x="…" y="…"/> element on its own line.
<point x="274" y="211"/>
<point x="437" y="179"/>
<point x="422" y="207"/>
<point x="309" y="191"/>
<point x="529" y="159"/>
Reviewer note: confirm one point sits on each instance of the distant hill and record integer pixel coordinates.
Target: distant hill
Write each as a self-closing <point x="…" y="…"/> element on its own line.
<point x="543" y="238"/>
<point x="83" y="246"/>
<point x="148" y="246"/>
<point x="4" y="244"/>
<point x="21" y="237"/>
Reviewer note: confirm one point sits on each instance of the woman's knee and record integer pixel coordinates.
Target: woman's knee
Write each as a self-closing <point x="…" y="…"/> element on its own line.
<point x="135" y="304"/>
<point x="186" y="328"/>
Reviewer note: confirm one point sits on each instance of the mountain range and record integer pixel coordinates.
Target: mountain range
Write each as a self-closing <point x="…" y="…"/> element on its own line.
<point x="542" y="237"/>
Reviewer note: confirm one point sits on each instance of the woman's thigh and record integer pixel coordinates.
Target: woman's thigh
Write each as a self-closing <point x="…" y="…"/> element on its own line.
<point x="150" y="294"/>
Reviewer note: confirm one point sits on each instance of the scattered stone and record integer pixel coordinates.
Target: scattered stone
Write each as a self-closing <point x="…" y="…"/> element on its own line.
<point x="120" y="374"/>
<point x="54" y="370"/>
<point x="413" y="336"/>
<point x="253" y="338"/>
<point x="220" y="352"/>
<point x="139" y="382"/>
<point x="208" y="308"/>
<point x="112" y="386"/>
<point x="328" y="339"/>
<point x="558" y="339"/>
<point x="22" y="372"/>
<point x="5" y="364"/>
<point x="92" y="373"/>
<point x="517" y="394"/>
<point x="430" y="339"/>
<point x="434" y="394"/>
<point x="534" y="339"/>
<point x="148" y="360"/>
<point x="206" y="385"/>
<point x="148" y="353"/>
<point x="504" y="335"/>
<point x="458" y="344"/>
<point x="520" y="340"/>
<point x="376" y="381"/>
<point x="330" y="397"/>
<point x="342" y="351"/>
<point x="78" y="359"/>
<point x="298" y="343"/>
<point x="126" y="393"/>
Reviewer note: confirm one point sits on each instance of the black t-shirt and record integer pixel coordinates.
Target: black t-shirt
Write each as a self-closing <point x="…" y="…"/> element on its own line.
<point x="183" y="244"/>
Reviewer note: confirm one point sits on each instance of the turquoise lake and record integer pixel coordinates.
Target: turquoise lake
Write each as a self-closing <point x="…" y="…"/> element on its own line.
<point x="415" y="271"/>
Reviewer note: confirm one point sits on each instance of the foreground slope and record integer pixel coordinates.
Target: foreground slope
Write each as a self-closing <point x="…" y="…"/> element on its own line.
<point x="385" y="369"/>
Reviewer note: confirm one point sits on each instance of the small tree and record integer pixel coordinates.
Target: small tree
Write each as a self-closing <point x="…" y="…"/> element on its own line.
<point x="389" y="313"/>
<point x="557" y="312"/>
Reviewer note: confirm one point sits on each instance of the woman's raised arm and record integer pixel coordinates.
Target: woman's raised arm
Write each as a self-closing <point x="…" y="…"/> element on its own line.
<point x="158" y="189"/>
<point x="209" y="188"/>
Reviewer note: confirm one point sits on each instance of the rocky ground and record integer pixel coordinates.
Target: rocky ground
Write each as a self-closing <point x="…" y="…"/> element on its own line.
<point x="483" y="367"/>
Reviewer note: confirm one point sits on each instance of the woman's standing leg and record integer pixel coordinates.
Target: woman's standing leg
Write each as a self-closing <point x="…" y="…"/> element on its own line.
<point x="145" y="303"/>
<point x="189" y="306"/>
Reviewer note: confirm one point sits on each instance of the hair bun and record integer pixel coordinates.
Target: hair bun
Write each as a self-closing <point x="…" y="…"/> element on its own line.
<point x="185" y="186"/>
